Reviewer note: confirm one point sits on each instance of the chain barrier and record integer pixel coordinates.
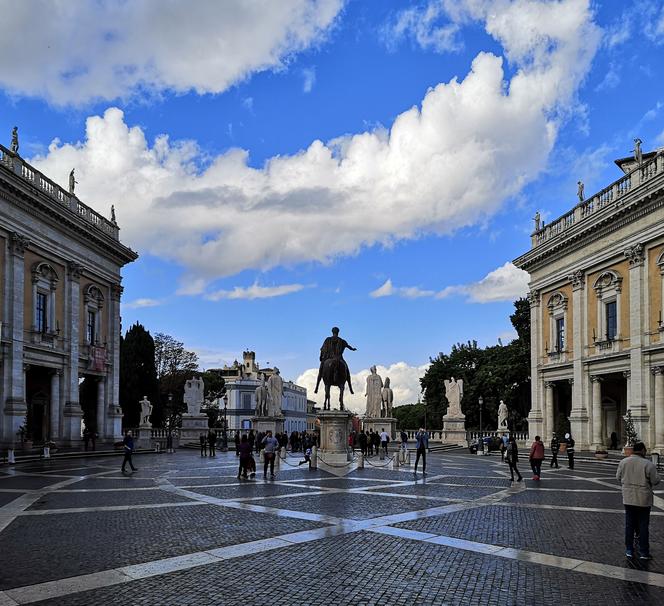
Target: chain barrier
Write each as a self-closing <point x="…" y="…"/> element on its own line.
<point x="388" y="459"/>
<point x="338" y="466"/>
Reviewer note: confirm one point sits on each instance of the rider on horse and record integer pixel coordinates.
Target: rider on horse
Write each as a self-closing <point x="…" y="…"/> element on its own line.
<point x="333" y="349"/>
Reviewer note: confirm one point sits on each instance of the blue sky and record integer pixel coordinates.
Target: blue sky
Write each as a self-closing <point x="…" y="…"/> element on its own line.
<point x="285" y="167"/>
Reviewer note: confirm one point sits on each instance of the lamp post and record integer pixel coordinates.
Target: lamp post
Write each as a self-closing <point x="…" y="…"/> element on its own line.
<point x="169" y="424"/>
<point x="224" y="435"/>
<point x="481" y="403"/>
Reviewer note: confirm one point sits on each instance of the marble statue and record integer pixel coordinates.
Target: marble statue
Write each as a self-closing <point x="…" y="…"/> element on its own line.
<point x="146" y="411"/>
<point x="14" y="144"/>
<point x="387" y="397"/>
<point x="454" y="393"/>
<point x="638" y="154"/>
<point x="275" y="387"/>
<point x="503" y="413"/>
<point x="579" y="192"/>
<point x="72" y="182"/>
<point x="113" y="214"/>
<point x="373" y="394"/>
<point x="194" y="390"/>
<point x="537" y="219"/>
<point x="262" y="398"/>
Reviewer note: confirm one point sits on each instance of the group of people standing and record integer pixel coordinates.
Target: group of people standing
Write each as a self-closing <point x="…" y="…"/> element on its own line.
<point x="208" y="440"/>
<point x="510" y="454"/>
<point x="370" y="442"/>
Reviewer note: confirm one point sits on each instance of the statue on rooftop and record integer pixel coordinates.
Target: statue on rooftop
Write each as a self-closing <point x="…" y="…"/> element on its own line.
<point x="638" y="154"/>
<point x="537" y="219"/>
<point x="113" y="214"/>
<point x="580" y="192"/>
<point x="72" y="182"/>
<point x="14" y="144"/>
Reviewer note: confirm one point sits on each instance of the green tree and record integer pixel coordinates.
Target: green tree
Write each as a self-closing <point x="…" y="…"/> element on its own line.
<point x="138" y="375"/>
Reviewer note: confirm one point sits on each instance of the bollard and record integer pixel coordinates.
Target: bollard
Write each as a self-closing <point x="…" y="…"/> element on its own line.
<point x="360" y="461"/>
<point x="10" y="456"/>
<point x="314" y="458"/>
<point x="381" y="455"/>
<point x="397" y="454"/>
<point x="261" y="456"/>
<point x="47" y="452"/>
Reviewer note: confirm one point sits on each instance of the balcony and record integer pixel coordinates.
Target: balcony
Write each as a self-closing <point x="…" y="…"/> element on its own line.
<point x="557" y="356"/>
<point x="607" y="345"/>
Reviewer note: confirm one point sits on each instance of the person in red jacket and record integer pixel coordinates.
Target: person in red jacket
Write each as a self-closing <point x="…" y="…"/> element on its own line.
<point x="536" y="457"/>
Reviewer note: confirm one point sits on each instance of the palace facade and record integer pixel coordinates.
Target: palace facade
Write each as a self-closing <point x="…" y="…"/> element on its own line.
<point x="596" y="303"/>
<point x="60" y="267"/>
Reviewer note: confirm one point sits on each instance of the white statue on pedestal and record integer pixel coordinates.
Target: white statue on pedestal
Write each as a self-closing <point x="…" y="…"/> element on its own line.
<point x="373" y="394"/>
<point x="146" y="411"/>
<point x="194" y="390"/>
<point x="454" y="393"/>
<point x="387" y="397"/>
<point x="262" y="398"/>
<point x="275" y="386"/>
<point x="503" y="413"/>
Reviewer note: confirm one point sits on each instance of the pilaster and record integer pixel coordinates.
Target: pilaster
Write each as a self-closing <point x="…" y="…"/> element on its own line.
<point x="535" y="419"/>
<point x="72" y="410"/>
<point x="597" y="441"/>
<point x="658" y="371"/>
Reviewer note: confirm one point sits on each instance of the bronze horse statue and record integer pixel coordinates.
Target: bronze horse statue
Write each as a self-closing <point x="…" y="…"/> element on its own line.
<point x="333" y="368"/>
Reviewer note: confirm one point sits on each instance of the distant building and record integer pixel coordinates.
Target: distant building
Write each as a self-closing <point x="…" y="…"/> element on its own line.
<point x="60" y="267"/>
<point x="596" y="305"/>
<point x="242" y="379"/>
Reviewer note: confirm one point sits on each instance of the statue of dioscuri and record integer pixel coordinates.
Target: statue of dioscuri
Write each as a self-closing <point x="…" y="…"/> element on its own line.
<point x="194" y="390"/>
<point x="373" y="394"/>
<point x="387" y="396"/>
<point x="146" y="411"/>
<point x="454" y="393"/>
<point x="503" y="413"/>
<point x="275" y="385"/>
<point x="262" y="398"/>
<point x="14" y="143"/>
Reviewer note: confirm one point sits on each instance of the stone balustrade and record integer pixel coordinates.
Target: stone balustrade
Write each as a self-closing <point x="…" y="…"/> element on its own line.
<point x="609" y="197"/>
<point x="20" y="167"/>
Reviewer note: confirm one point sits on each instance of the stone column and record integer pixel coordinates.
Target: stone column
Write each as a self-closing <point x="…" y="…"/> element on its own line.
<point x="658" y="371"/>
<point x="101" y="407"/>
<point x="535" y="419"/>
<point x="114" y="412"/>
<point x="597" y="441"/>
<point x="548" y="410"/>
<point x="578" y="417"/>
<point x="15" y="407"/>
<point x="55" y="405"/>
<point x="636" y="399"/>
<point x="72" y="410"/>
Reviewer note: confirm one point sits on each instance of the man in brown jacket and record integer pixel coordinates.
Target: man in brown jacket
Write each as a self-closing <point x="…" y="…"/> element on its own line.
<point x="637" y="477"/>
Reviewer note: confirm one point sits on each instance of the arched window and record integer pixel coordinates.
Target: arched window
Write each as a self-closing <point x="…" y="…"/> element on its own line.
<point x="557" y="305"/>
<point x="608" y="288"/>
<point x="94" y="303"/>
<point x="44" y="284"/>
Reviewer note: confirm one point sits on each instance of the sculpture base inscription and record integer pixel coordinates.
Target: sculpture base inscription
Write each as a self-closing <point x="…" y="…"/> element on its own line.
<point x="334" y="431"/>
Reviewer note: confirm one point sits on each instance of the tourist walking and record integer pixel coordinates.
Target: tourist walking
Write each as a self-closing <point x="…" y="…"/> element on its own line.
<point x="245" y="451"/>
<point x="270" y="446"/>
<point x="376" y="441"/>
<point x="252" y="438"/>
<point x="512" y="458"/>
<point x="307" y="458"/>
<point x="128" y="448"/>
<point x="536" y="457"/>
<point x="555" y="449"/>
<point x="505" y="442"/>
<point x="203" y="440"/>
<point x="362" y="439"/>
<point x="422" y="445"/>
<point x="237" y="442"/>
<point x="404" y="440"/>
<point x="637" y="476"/>
<point x="212" y="442"/>
<point x="384" y="441"/>
<point x="569" y="440"/>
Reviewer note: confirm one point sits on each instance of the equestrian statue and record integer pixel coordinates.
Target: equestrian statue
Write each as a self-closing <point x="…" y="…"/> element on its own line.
<point x="333" y="368"/>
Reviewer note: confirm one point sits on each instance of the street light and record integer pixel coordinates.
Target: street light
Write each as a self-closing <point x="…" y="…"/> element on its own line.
<point x="169" y="424"/>
<point x="481" y="402"/>
<point x="224" y="435"/>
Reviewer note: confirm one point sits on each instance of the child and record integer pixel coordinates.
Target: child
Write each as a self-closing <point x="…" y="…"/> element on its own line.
<point x="307" y="458"/>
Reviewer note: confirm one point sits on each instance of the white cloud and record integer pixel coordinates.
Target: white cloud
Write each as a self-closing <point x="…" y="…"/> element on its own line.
<point x="404" y="381"/>
<point x="141" y="303"/>
<point x="472" y="144"/>
<point x="407" y="292"/>
<point x="422" y="25"/>
<point x="254" y="292"/>
<point x="505" y="283"/>
<point x="309" y="76"/>
<point x="75" y="52"/>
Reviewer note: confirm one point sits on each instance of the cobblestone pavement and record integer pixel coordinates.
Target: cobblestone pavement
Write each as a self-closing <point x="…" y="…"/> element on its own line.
<point x="184" y="530"/>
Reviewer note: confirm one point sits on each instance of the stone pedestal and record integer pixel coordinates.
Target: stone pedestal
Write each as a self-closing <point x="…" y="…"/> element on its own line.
<point x="389" y="424"/>
<point x="192" y="427"/>
<point x="334" y="432"/>
<point x="73" y="416"/>
<point x="115" y="423"/>
<point x="143" y="438"/>
<point x="454" y="430"/>
<point x="264" y="424"/>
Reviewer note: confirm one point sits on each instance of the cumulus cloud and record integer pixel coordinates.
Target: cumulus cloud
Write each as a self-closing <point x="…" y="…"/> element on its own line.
<point x="404" y="381"/>
<point x="309" y="77"/>
<point x="254" y="292"/>
<point x="422" y="24"/>
<point x="448" y="163"/>
<point x="76" y="52"/>
<point x="407" y="292"/>
<point x="505" y="283"/>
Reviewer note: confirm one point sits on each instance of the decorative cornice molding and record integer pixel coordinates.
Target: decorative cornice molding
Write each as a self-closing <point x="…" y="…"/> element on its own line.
<point x="596" y="378"/>
<point x="534" y="298"/>
<point x="657" y="370"/>
<point x="635" y="255"/>
<point x="18" y="244"/>
<point x="578" y="279"/>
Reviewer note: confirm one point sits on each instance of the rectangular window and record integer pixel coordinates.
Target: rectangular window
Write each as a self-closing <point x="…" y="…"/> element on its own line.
<point x="91" y="326"/>
<point x="42" y="312"/>
<point x="246" y="400"/>
<point x="560" y="334"/>
<point x="611" y="320"/>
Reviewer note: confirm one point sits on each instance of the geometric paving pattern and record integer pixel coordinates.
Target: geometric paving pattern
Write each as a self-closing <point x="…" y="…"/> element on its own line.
<point x="184" y="530"/>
